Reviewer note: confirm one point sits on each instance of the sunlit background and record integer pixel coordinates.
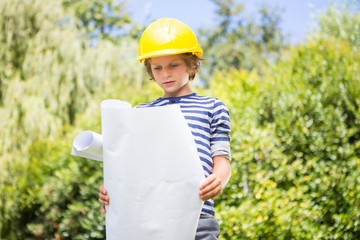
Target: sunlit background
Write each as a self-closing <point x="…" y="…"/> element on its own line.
<point x="287" y="70"/>
<point x="298" y="17"/>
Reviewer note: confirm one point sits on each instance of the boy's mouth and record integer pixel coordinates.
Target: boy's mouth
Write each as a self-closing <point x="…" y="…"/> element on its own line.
<point x="168" y="83"/>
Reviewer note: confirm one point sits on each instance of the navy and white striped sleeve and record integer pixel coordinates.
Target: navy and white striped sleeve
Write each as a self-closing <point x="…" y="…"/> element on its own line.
<point x="220" y="130"/>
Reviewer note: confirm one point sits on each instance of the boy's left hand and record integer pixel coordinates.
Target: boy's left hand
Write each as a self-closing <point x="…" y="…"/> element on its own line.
<point x="210" y="187"/>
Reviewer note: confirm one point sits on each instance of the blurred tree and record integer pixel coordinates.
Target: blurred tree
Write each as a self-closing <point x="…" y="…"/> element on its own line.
<point x="341" y="21"/>
<point x="49" y="76"/>
<point x="296" y="140"/>
<point x="295" y="133"/>
<point x="238" y="42"/>
<point x="105" y="19"/>
<point x="49" y="73"/>
<point x="295" y="146"/>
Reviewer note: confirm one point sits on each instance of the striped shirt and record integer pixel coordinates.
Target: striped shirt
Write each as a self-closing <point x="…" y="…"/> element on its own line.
<point x="209" y="122"/>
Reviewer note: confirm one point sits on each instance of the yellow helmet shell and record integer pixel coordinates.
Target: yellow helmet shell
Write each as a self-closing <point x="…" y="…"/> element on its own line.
<point x="167" y="36"/>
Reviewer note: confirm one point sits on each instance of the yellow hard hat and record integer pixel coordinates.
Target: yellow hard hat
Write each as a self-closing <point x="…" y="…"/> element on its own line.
<point x="167" y="36"/>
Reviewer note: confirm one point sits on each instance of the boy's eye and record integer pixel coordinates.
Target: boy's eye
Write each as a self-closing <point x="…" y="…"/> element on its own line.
<point x="174" y="65"/>
<point x="156" y="68"/>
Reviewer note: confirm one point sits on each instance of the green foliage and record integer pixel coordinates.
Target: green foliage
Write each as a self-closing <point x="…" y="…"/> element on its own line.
<point x="52" y="195"/>
<point x="50" y="81"/>
<point x="239" y="41"/>
<point x="340" y="22"/>
<point x="295" y="143"/>
<point x="101" y="19"/>
<point x="50" y="71"/>
<point x="295" y="124"/>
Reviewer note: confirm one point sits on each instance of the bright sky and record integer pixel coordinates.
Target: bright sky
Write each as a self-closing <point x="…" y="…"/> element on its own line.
<point x="297" y="15"/>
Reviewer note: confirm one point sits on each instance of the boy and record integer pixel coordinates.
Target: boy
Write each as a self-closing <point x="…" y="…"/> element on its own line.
<point x="171" y="55"/>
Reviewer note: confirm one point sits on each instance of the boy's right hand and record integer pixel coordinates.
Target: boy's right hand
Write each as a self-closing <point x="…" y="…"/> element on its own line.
<point x="103" y="198"/>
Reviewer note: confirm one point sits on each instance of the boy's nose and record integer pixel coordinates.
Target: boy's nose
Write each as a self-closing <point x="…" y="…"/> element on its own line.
<point x="166" y="73"/>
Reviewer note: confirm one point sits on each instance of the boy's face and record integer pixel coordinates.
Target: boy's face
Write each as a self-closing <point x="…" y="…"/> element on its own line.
<point x="170" y="73"/>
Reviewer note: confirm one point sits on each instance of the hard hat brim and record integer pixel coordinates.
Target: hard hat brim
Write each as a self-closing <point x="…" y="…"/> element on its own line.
<point x="166" y="52"/>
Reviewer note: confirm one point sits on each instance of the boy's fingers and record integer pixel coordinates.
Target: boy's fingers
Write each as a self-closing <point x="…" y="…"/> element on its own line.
<point x="103" y="197"/>
<point x="207" y="181"/>
<point x="102" y="189"/>
<point x="208" y="195"/>
<point x="103" y="209"/>
<point x="210" y="188"/>
<point x="103" y="200"/>
<point x="214" y="182"/>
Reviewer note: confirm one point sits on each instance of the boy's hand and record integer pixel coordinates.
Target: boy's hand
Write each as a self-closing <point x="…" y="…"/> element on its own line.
<point x="210" y="187"/>
<point x="103" y="198"/>
<point x="213" y="185"/>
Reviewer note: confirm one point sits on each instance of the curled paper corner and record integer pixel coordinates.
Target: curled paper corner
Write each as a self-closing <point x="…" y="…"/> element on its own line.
<point x="88" y="144"/>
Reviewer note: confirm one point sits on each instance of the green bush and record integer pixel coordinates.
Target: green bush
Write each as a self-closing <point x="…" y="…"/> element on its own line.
<point x="295" y="146"/>
<point x="295" y="135"/>
<point x="53" y="195"/>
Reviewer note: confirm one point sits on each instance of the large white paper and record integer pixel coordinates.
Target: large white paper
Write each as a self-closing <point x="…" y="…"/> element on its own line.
<point x="152" y="173"/>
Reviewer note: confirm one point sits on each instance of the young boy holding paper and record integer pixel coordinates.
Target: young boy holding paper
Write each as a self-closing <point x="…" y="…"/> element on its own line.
<point x="171" y="55"/>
